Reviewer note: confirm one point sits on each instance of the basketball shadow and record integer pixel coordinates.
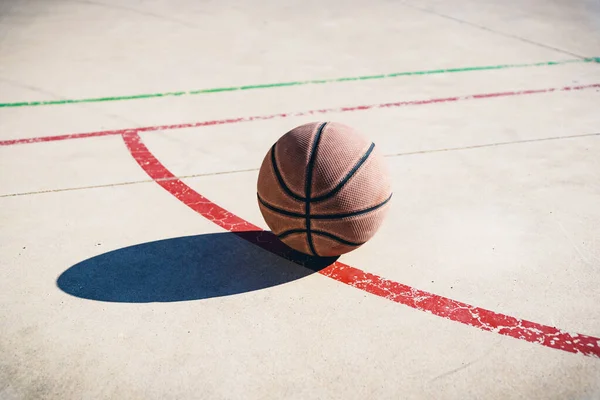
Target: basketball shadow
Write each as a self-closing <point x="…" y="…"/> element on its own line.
<point x="186" y="268"/>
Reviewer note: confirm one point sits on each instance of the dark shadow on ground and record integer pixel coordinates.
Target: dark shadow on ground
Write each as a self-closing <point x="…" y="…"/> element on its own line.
<point x="188" y="268"/>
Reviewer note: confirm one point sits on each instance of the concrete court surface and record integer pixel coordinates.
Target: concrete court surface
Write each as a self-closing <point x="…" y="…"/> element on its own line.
<point x="114" y="286"/>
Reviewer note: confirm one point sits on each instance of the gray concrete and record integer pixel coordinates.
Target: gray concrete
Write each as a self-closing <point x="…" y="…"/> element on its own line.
<point x="487" y="210"/>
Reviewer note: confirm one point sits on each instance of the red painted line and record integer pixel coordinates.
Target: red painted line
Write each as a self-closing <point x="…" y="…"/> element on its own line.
<point x="420" y="300"/>
<point x="295" y="114"/>
<point x="59" y="138"/>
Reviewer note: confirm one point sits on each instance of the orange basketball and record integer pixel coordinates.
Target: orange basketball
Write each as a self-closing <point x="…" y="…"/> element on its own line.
<point x="323" y="189"/>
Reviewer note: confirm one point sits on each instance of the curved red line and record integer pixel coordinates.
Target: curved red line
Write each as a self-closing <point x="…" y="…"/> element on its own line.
<point x="423" y="301"/>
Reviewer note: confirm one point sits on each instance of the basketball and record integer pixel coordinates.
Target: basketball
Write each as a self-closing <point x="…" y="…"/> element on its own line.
<point x="323" y="189"/>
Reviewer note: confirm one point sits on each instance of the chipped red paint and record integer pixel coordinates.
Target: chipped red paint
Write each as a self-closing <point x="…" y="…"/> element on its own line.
<point x="420" y="300"/>
<point x="293" y="114"/>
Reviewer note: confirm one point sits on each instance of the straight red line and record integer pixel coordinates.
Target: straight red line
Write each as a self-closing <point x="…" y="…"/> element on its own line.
<point x="294" y="114"/>
<point x="418" y="299"/>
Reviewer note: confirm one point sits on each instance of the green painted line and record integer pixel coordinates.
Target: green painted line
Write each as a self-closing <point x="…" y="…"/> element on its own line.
<point x="296" y="83"/>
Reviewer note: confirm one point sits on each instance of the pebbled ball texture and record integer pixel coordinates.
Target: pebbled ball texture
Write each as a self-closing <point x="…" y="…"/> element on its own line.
<point x="323" y="189"/>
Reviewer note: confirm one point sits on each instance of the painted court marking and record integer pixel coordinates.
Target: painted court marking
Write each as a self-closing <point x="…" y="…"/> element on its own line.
<point x="297" y="114"/>
<point x="294" y="83"/>
<point x="420" y="300"/>
<point x="237" y="171"/>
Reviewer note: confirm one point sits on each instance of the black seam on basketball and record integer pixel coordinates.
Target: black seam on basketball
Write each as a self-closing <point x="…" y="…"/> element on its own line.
<point x="322" y="216"/>
<point x="279" y="210"/>
<point x="349" y="175"/>
<point x="336" y="238"/>
<point x="279" y="177"/>
<point x="308" y="185"/>
<point x="290" y="232"/>
<point x="319" y="233"/>
<point x="351" y="214"/>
